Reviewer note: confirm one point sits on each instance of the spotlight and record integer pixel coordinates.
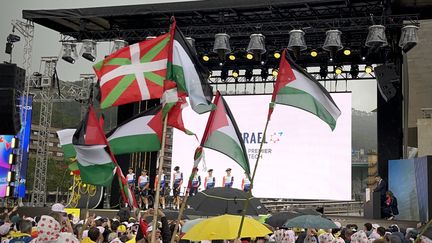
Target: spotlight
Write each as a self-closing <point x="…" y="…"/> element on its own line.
<point x="354" y="71"/>
<point x="262" y="62"/>
<point x="347" y="52"/>
<point x="14" y="142"/>
<point x="224" y="74"/>
<point x="314" y="53"/>
<point x="331" y="59"/>
<point x="222" y="45"/>
<point x="9" y="191"/>
<point x="11" y="176"/>
<point x="363" y="58"/>
<point x="88" y="50"/>
<point x="248" y="74"/>
<point x="232" y="57"/>
<point x="264" y="73"/>
<point x="408" y="38"/>
<point x="368" y="69"/>
<point x="235" y="73"/>
<point x="275" y="72"/>
<point x="9" y="47"/>
<point x="12" y="38"/>
<point x="11" y="159"/>
<point x="323" y="71"/>
<point x="338" y="70"/>
<point x="205" y="58"/>
<point x="221" y="64"/>
<point x="69" y="52"/>
<point x="277" y="55"/>
<point x="249" y="56"/>
<point x="256" y="46"/>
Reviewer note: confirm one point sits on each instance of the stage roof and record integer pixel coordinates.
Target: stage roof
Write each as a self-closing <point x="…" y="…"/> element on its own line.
<point x="203" y="19"/>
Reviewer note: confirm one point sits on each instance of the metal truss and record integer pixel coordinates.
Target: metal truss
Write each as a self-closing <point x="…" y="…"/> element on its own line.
<point x="259" y="85"/>
<point x="38" y="197"/>
<point x="26" y="29"/>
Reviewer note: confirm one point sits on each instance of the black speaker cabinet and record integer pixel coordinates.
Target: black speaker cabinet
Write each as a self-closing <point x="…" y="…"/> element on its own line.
<point x="9" y="112"/>
<point x="387" y="78"/>
<point x="11" y="77"/>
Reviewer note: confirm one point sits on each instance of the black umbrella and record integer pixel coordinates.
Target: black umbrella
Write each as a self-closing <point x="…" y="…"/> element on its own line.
<point x="222" y="200"/>
<point x="278" y="219"/>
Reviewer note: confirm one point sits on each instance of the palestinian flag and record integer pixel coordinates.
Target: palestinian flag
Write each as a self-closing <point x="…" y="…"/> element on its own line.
<point x="223" y="135"/>
<point x="141" y="133"/>
<point x="127" y="194"/>
<point x="134" y="73"/>
<point x="94" y="161"/>
<point x="191" y="77"/>
<point x="65" y="138"/>
<point x="295" y="87"/>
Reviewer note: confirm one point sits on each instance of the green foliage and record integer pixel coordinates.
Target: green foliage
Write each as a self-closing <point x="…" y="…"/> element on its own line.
<point x="57" y="175"/>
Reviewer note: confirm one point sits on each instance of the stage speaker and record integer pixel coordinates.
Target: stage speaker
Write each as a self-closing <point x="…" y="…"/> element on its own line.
<point x="387" y="77"/>
<point x="11" y="77"/>
<point x="10" y="123"/>
<point x="11" y="87"/>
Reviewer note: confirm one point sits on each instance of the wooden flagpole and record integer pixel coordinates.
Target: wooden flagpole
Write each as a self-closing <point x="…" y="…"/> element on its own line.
<point x="182" y="208"/>
<point x="161" y="162"/>
<point x="246" y="205"/>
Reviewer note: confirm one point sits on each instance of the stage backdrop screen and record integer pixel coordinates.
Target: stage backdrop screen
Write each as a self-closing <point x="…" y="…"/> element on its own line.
<point x="302" y="158"/>
<point x="5" y="150"/>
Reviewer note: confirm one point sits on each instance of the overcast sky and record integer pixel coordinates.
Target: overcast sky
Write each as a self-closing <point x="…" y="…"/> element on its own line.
<point x="46" y="43"/>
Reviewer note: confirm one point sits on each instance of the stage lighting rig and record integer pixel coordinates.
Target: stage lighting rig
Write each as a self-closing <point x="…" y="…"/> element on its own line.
<point x="224" y="74"/>
<point x="249" y="56"/>
<point x="118" y="44"/>
<point x="256" y="46"/>
<point x="235" y="73"/>
<point x="276" y="55"/>
<point x="333" y="42"/>
<point x="314" y="53"/>
<point x="347" y="51"/>
<point x="297" y="42"/>
<point x="205" y="58"/>
<point x="368" y="69"/>
<point x="232" y="57"/>
<point x="338" y="70"/>
<point x="275" y="72"/>
<point x="69" y="52"/>
<point x="408" y="38"/>
<point x="221" y="45"/>
<point x="88" y="50"/>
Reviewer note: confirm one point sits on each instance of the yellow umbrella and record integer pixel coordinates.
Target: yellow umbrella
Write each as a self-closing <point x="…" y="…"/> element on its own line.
<point x="225" y="227"/>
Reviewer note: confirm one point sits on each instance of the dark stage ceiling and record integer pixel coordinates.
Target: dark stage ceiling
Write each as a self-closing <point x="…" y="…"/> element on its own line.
<point x="274" y="19"/>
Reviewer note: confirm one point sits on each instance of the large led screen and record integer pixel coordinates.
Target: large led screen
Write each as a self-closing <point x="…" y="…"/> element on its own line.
<point x="302" y="158"/>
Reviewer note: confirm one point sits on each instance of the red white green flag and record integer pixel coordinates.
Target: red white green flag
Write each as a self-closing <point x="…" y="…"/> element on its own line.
<point x="134" y="73"/>
<point x="222" y="134"/>
<point x="295" y="87"/>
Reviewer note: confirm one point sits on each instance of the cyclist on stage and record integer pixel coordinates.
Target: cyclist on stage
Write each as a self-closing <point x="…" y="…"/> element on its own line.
<point x="210" y="180"/>
<point x="228" y="180"/>
<point x="131" y="179"/>
<point x="246" y="184"/>
<point x="143" y="186"/>
<point x="196" y="182"/>
<point x="162" y="188"/>
<point x="177" y="182"/>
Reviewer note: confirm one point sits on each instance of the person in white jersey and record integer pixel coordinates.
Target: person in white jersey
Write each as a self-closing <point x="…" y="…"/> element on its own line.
<point x="143" y="186"/>
<point x="228" y="179"/>
<point x="246" y="184"/>
<point x="210" y="180"/>
<point x="162" y="188"/>
<point x="130" y="177"/>
<point x="177" y="183"/>
<point x="196" y="182"/>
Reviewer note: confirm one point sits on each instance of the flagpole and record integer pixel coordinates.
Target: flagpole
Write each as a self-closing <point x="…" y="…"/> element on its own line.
<point x="252" y="180"/>
<point x="182" y="207"/>
<point x="161" y="161"/>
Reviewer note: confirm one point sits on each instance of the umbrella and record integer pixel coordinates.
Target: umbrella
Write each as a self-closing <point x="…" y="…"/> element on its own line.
<point x="278" y="219"/>
<point x="189" y="224"/>
<point x="225" y="227"/>
<point x="222" y="200"/>
<point x="310" y="221"/>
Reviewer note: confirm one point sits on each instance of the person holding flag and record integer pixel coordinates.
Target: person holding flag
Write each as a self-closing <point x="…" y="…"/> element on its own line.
<point x="177" y="183"/>
<point x="228" y="180"/>
<point x="195" y="182"/>
<point x="210" y="180"/>
<point x="143" y="186"/>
